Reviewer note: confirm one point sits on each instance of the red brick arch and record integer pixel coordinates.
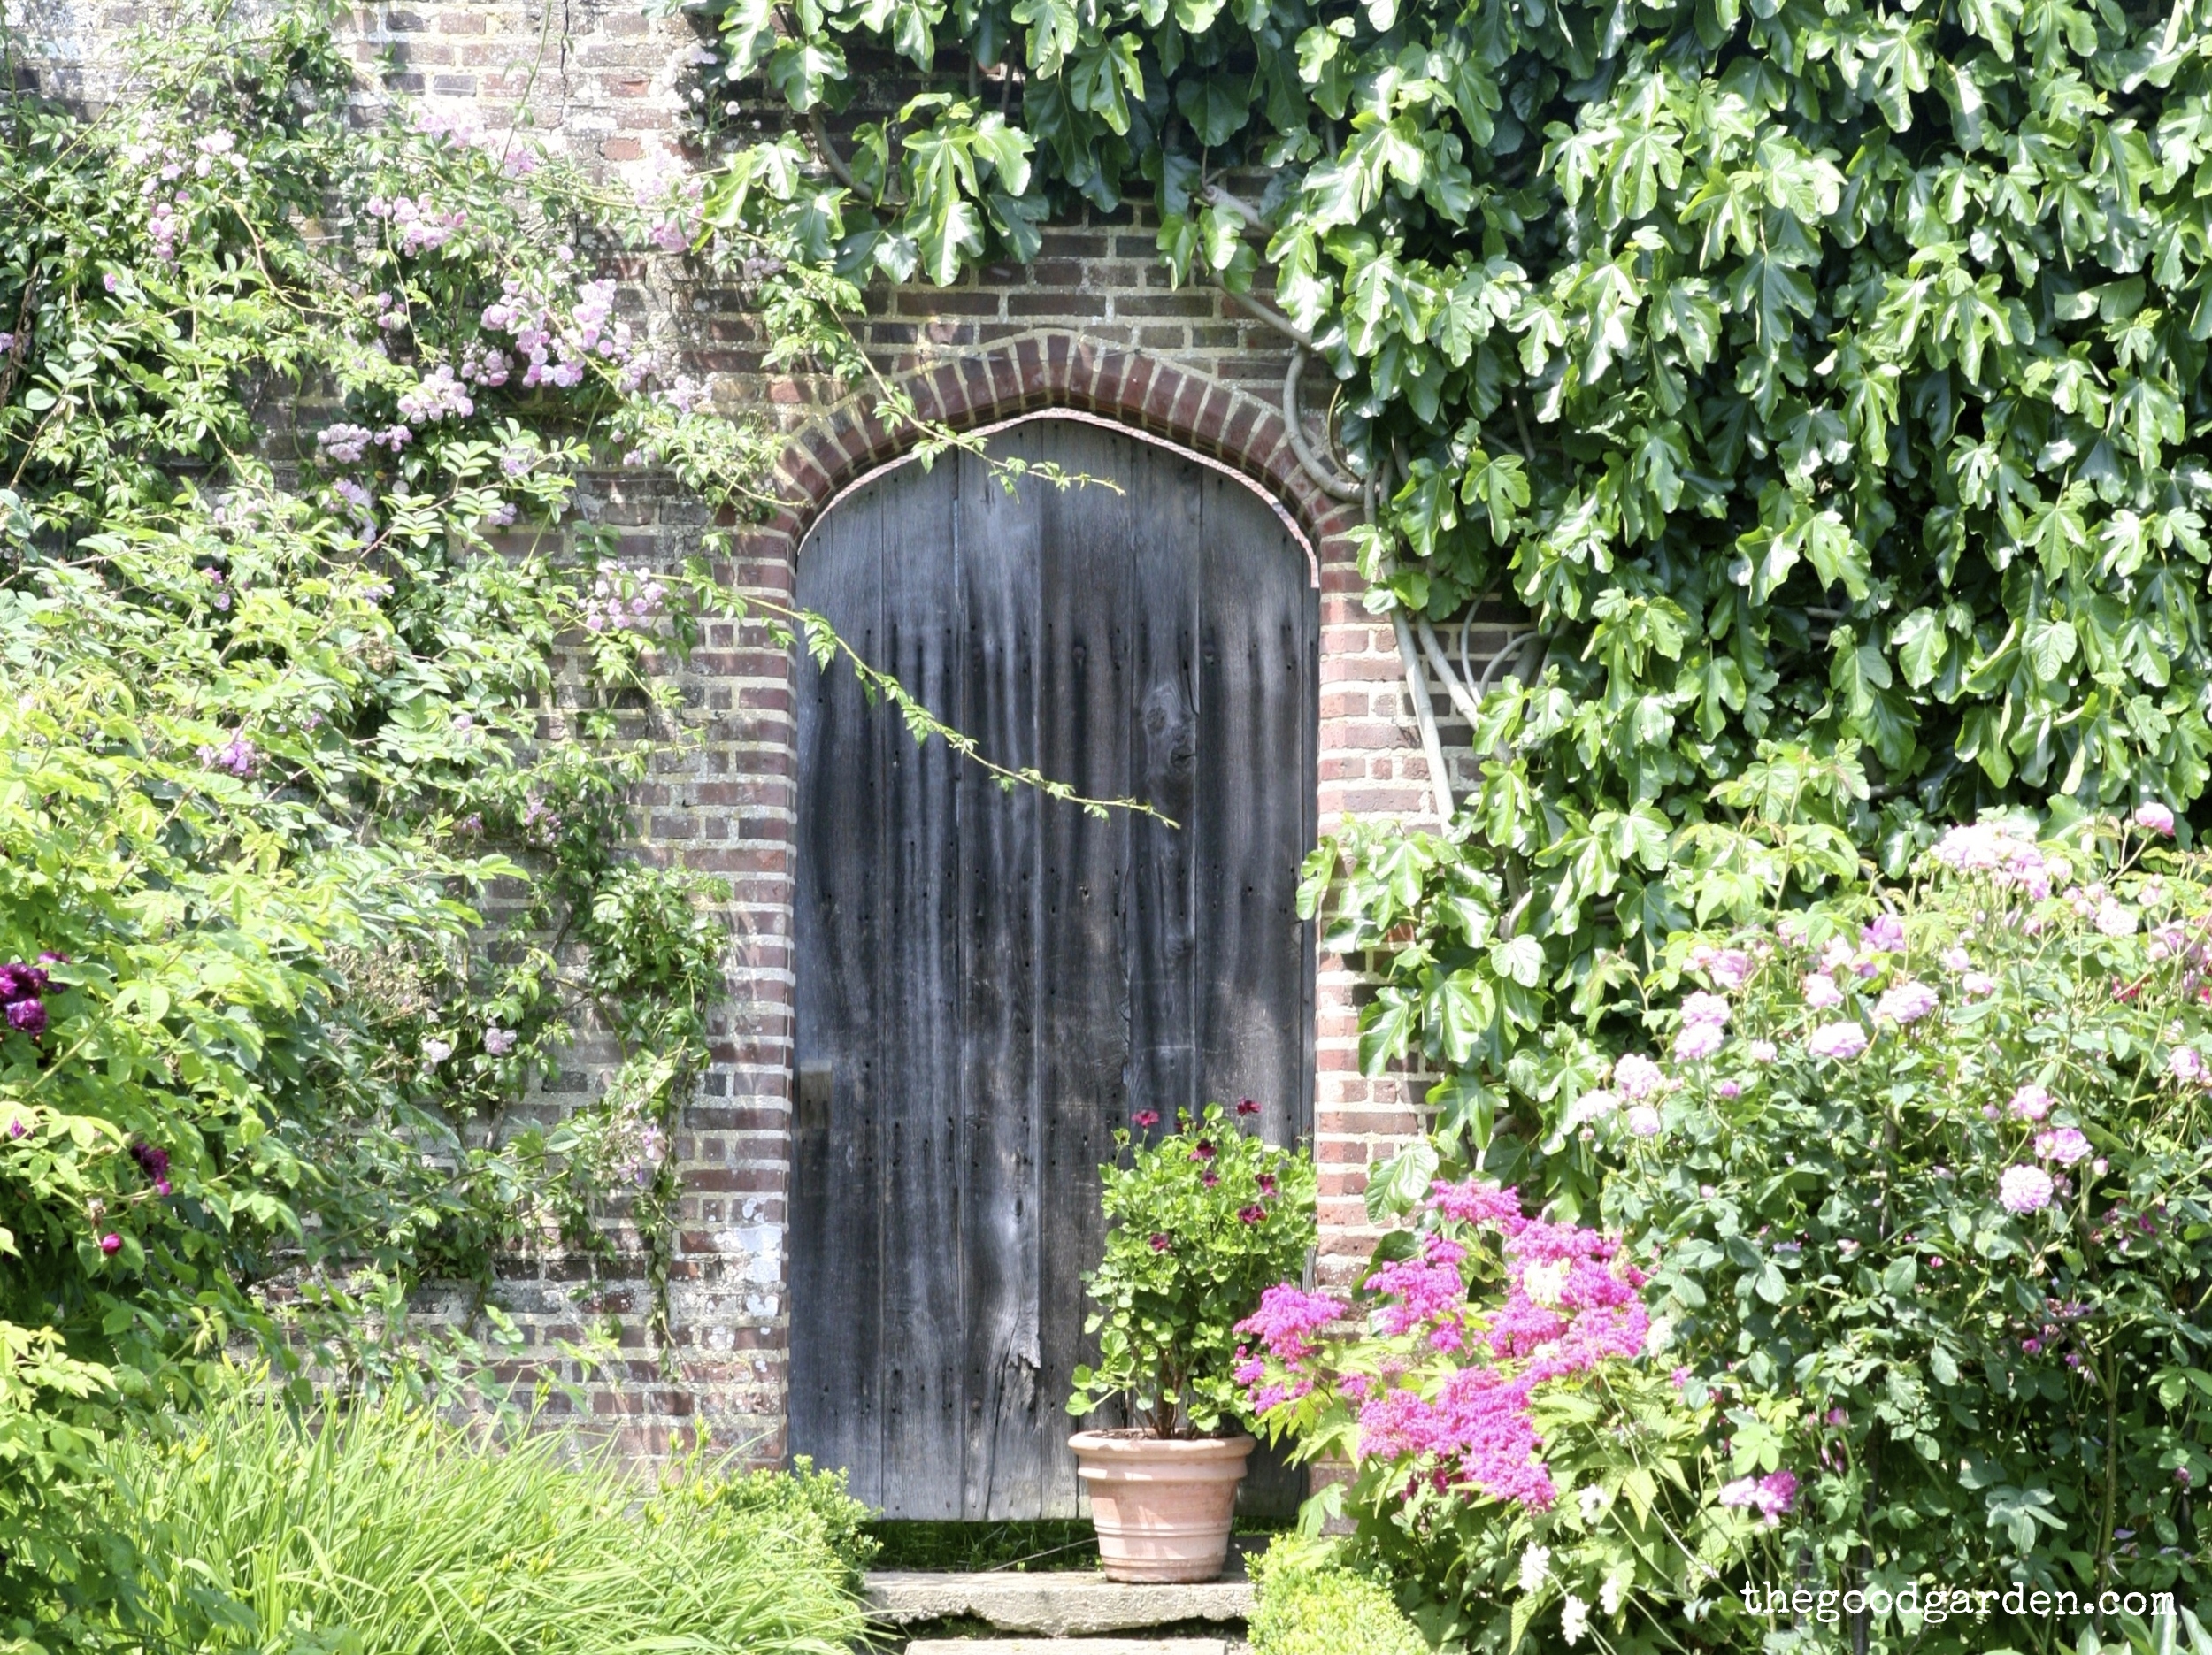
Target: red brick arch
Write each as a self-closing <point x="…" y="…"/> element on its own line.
<point x="1046" y="371"/>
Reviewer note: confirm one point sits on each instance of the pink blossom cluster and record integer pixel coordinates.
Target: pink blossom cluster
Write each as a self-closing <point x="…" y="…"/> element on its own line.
<point x="1906" y="1002"/>
<point x="2005" y="851"/>
<point x="1571" y="1303"/>
<point x="1838" y="1042"/>
<point x="1704" y="1027"/>
<point x="1771" y="1496"/>
<point x="421" y="227"/>
<point x="608" y="611"/>
<point x="437" y="395"/>
<point x="1729" y="967"/>
<point x="2024" y="1188"/>
<point x="235" y="757"/>
<point x="345" y="443"/>
<point x="2064" y="1145"/>
<point x="1426" y="1292"/>
<point x="556" y="348"/>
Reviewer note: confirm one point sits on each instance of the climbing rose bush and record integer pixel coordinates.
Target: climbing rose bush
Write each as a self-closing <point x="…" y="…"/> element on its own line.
<point x="1920" y="1181"/>
<point x="1522" y="1448"/>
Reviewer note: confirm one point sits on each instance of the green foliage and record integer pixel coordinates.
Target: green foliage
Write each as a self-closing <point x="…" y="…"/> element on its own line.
<point x="1825" y="379"/>
<point x="1202" y="1219"/>
<point x="382" y="1528"/>
<point x="1310" y="1603"/>
<point x="805" y="1500"/>
<point x="276" y="728"/>
<point x="1957" y="1284"/>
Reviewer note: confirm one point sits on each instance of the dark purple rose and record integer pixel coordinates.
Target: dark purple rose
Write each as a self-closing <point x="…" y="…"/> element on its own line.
<point x="27" y="1016"/>
<point x="153" y="1161"/>
<point x="1248" y="1107"/>
<point x="1161" y="1243"/>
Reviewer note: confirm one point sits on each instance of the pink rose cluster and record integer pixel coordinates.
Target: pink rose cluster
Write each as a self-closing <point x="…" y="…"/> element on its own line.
<point x="2006" y="852"/>
<point x="1572" y="1302"/>
<point x="1704" y="1027"/>
<point x="417" y="222"/>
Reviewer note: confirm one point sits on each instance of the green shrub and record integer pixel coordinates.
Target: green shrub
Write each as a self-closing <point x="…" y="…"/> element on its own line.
<point x="1310" y="1603"/>
<point x="804" y="1499"/>
<point x="389" y="1531"/>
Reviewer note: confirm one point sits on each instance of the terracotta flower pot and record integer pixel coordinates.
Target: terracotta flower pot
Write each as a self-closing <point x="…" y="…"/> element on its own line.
<point x="1161" y="1505"/>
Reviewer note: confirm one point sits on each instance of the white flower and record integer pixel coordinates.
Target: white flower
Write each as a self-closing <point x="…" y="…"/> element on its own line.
<point x="434" y="1052"/>
<point x="1593" y="1500"/>
<point x="1615" y="1589"/>
<point x="1574" y="1618"/>
<point x="1591" y="1105"/>
<point x="1644" y="1121"/>
<point x="1535" y="1564"/>
<point x="1545" y="1282"/>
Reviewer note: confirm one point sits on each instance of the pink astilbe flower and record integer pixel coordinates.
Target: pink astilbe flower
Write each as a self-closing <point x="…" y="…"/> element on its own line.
<point x="1473" y="1201"/>
<point x="1458" y="1411"/>
<point x="1287" y="1320"/>
<point x="1428" y="1289"/>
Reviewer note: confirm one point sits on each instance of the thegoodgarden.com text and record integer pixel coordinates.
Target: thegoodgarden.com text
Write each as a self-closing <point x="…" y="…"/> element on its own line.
<point x="1935" y="1604"/>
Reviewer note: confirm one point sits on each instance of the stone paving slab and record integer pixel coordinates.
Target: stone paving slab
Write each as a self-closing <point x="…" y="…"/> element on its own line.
<point x="1069" y="1646"/>
<point x="1057" y="1603"/>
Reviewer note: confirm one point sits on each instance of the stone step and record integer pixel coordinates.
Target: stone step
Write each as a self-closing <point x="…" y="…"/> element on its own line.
<point x="1069" y="1646"/>
<point x="1055" y="1604"/>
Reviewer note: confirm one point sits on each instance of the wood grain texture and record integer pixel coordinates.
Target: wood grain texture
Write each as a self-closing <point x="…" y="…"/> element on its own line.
<point x="999" y="558"/>
<point x="835" y="1240"/>
<point x="1088" y="590"/>
<point x="990" y="983"/>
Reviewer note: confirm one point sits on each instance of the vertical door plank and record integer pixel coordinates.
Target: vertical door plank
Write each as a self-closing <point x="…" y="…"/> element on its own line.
<point x="1163" y="761"/>
<point x="835" y="1273"/>
<point x="1084" y="1027"/>
<point x="1253" y="687"/>
<point x="919" y="961"/>
<point x="1000" y="1436"/>
<point x="1253" y="830"/>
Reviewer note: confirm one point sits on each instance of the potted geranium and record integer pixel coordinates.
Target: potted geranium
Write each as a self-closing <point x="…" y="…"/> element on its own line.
<point x="1200" y="1221"/>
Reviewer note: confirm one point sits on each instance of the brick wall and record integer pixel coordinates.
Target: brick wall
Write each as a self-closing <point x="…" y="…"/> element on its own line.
<point x="1093" y="327"/>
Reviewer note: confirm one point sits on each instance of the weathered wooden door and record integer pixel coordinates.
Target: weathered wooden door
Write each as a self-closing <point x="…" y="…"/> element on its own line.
<point x="990" y="982"/>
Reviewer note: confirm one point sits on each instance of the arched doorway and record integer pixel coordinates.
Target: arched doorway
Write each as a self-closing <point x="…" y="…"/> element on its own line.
<point x="989" y="982"/>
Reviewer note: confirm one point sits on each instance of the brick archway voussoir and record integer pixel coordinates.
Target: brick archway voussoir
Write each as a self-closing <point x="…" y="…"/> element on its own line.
<point x="1054" y="369"/>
